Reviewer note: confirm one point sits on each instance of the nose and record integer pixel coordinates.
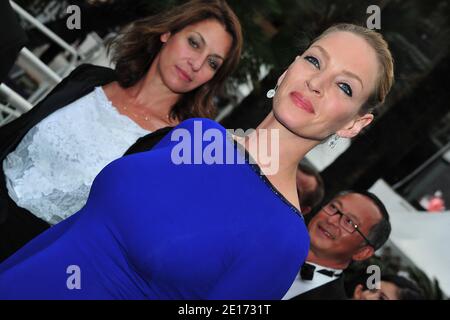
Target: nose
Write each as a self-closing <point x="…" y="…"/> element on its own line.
<point x="334" y="220"/>
<point x="196" y="62"/>
<point x="315" y="85"/>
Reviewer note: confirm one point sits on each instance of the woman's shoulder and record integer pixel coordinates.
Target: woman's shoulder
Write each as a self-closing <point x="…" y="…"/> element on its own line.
<point x="89" y="70"/>
<point x="80" y="81"/>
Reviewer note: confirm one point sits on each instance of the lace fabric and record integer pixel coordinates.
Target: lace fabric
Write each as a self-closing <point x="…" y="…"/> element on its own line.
<point x="52" y="169"/>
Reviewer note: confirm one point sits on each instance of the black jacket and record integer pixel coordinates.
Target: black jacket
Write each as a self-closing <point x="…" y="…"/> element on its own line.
<point x="333" y="290"/>
<point x="80" y="82"/>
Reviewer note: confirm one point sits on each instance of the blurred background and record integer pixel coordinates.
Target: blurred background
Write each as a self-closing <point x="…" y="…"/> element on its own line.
<point x="403" y="157"/>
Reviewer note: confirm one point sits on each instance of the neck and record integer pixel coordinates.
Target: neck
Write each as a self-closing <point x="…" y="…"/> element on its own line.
<point x="273" y="135"/>
<point x="292" y="148"/>
<point x="151" y="95"/>
<point x="326" y="261"/>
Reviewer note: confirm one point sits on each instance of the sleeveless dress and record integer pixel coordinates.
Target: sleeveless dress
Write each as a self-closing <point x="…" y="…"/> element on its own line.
<point x="153" y="228"/>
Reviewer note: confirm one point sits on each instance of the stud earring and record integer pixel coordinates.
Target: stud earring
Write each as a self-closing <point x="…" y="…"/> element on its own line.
<point x="271" y="93"/>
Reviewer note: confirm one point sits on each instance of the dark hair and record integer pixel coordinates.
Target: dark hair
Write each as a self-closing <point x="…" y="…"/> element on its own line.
<point x="407" y="290"/>
<point x="135" y="48"/>
<point x="379" y="233"/>
<point x="315" y="197"/>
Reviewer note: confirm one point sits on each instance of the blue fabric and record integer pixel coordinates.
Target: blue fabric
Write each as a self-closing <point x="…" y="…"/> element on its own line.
<point x="152" y="229"/>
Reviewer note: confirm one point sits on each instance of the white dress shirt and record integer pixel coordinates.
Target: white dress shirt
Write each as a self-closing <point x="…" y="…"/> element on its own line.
<point x="300" y="286"/>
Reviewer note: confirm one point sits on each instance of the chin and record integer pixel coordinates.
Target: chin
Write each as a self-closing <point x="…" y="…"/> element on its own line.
<point x="300" y="123"/>
<point x="176" y="85"/>
<point x="295" y="123"/>
<point x="289" y="121"/>
<point x="178" y="88"/>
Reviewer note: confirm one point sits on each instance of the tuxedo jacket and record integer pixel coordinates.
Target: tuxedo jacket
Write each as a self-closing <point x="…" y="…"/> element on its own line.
<point x="333" y="290"/>
<point x="77" y="84"/>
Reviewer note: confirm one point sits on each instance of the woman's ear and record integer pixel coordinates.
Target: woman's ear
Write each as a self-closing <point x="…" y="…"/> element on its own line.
<point x="164" y="37"/>
<point x="280" y="78"/>
<point x="353" y="128"/>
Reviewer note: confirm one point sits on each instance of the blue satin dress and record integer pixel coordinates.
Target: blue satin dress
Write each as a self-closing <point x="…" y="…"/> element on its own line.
<point x="155" y="229"/>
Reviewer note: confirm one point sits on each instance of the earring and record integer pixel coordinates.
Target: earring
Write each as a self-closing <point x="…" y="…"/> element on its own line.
<point x="271" y="93"/>
<point x="333" y="141"/>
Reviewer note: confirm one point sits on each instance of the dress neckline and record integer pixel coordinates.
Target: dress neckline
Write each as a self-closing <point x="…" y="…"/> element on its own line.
<point x="257" y="169"/>
<point x="104" y="98"/>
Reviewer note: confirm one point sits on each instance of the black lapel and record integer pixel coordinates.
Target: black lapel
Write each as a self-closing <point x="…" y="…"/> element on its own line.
<point x="333" y="290"/>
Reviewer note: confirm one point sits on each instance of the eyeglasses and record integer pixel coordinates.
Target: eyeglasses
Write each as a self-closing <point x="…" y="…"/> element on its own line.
<point x="345" y="221"/>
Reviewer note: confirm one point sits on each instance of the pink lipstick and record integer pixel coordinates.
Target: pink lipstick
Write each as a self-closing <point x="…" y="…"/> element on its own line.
<point x="301" y="102"/>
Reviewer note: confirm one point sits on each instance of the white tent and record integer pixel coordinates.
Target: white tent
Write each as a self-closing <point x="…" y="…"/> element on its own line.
<point x="424" y="238"/>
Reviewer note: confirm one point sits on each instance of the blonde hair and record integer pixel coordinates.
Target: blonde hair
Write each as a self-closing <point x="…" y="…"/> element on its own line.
<point x="386" y="73"/>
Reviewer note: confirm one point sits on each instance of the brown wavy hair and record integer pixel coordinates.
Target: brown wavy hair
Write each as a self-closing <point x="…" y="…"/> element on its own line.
<point x="135" y="48"/>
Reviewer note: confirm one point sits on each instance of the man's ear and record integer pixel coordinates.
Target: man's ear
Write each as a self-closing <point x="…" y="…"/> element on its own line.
<point x="363" y="253"/>
<point x="165" y="36"/>
<point x="358" y="291"/>
<point x="355" y="126"/>
<point x="305" y="210"/>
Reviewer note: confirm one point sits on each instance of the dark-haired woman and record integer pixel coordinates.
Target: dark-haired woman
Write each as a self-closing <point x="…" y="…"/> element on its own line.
<point x="168" y="68"/>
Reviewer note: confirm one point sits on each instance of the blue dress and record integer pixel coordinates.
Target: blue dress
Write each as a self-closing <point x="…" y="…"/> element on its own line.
<point x="156" y="229"/>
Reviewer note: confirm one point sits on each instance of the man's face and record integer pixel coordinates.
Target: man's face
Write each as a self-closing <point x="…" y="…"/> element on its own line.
<point x="330" y="240"/>
<point x="305" y="184"/>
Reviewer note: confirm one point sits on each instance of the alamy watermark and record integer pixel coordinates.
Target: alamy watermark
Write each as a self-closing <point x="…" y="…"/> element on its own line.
<point x="74" y="20"/>
<point x="73" y="282"/>
<point x="374" y="20"/>
<point x="209" y="147"/>
<point x="374" y="280"/>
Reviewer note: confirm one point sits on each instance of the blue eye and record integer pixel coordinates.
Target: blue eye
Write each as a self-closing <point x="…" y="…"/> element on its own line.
<point x="346" y="89"/>
<point x="313" y="61"/>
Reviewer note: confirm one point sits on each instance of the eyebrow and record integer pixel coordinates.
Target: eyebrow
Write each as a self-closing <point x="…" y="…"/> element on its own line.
<point x="353" y="217"/>
<point x="204" y="43"/>
<point x="347" y="73"/>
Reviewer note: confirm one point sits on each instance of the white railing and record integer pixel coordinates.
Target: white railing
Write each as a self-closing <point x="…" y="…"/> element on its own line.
<point x="37" y="70"/>
<point x="74" y="55"/>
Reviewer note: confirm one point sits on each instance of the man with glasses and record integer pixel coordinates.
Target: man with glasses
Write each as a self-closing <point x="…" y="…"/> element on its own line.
<point x="351" y="227"/>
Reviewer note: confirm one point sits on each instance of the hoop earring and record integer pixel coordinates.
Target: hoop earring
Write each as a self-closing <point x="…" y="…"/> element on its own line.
<point x="333" y="141"/>
<point x="271" y="93"/>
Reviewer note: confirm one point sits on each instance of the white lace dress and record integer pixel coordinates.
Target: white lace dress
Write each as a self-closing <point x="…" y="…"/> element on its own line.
<point x="51" y="171"/>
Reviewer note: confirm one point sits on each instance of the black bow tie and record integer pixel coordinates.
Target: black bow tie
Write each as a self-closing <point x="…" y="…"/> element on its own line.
<point x="307" y="272"/>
